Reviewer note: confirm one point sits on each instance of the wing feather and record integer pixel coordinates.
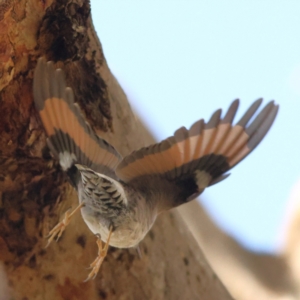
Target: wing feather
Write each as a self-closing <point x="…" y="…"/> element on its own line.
<point x="65" y="125"/>
<point x="212" y="148"/>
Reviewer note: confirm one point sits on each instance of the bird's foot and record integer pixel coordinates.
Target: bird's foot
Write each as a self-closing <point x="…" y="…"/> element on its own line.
<point x="57" y="231"/>
<point x="102" y="252"/>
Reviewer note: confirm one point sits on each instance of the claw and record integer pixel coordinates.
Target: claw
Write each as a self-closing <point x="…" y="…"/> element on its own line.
<point x="102" y="252"/>
<point x="138" y="250"/>
<point x="58" y="230"/>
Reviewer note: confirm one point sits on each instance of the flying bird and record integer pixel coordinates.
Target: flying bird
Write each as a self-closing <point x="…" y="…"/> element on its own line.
<point x="120" y="198"/>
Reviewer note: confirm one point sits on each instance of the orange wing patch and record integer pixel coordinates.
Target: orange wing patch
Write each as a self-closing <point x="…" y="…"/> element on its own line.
<point x="65" y="125"/>
<point x="205" y="146"/>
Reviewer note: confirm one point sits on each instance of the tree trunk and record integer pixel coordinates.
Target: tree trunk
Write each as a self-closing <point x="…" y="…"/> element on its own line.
<point x="35" y="192"/>
<point x="291" y="248"/>
<point x="246" y="274"/>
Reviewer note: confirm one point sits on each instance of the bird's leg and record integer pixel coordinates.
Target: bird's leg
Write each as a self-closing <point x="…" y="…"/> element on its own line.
<point x="139" y="252"/>
<point x="60" y="227"/>
<point x="102" y="251"/>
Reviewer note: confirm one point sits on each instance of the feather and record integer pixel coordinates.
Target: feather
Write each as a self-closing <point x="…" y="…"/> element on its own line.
<point x="71" y="139"/>
<point x="206" y="151"/>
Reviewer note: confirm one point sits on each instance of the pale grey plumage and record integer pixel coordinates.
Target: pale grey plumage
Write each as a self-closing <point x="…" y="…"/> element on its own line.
<point x="121" y="198"/>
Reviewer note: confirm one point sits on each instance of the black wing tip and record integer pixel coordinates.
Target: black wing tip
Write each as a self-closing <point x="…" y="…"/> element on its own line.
<point x="38" y="93"/>
<point x="41" y="63"/>
<point x="261" y="117"/>
<point x="249" y="113"/>
<point x="41" y="91"/>
<point x="181" y="134"/>
<point x="49" y="82"/>
<point x="236" y="101"/>
<point x="264" y="127"/>
<point x="231" y="112"/>
<point x="214" y="119"/>
<point x="197" y="127"/>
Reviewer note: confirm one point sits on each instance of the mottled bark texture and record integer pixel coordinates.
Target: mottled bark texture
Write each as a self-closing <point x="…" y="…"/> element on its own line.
<point x="34" y="192"/>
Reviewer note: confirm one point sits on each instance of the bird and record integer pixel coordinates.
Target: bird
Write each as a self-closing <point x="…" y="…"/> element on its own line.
<point x="121" y="197"/>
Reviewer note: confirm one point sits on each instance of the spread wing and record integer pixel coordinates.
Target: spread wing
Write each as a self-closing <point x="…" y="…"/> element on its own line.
<point x="71" y="139"/>
<point x="199" y="157"/>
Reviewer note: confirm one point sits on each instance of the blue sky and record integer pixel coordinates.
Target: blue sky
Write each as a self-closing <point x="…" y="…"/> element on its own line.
<point x="179" y="61"/>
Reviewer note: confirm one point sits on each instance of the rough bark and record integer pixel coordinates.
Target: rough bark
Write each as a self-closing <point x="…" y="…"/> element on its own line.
<point x="35" y="193"/>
